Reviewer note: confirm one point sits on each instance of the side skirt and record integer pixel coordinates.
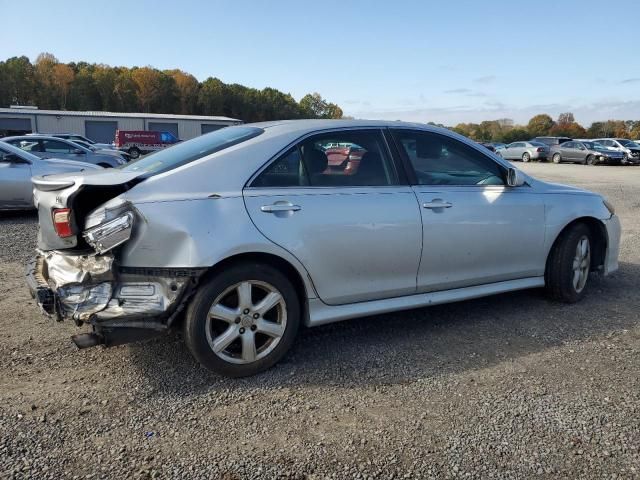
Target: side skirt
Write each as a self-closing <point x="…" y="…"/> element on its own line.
<point x="321" y="313"/>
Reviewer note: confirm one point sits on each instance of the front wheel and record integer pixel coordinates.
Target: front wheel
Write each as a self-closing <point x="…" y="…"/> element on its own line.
<point x="569" y="265"/>
<point x="556" y="158"/>
<point x="526" y="157"/>
<point x="243" y="320"/>
<point x="591" y="160"/>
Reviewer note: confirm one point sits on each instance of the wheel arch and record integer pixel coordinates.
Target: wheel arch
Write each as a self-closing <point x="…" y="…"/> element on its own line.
<point x="275" y="261"/>
<point x="599" y="240"/>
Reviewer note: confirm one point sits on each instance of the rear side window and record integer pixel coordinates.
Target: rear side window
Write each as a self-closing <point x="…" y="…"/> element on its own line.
<point x="346" y="158"/>
<point x="191" y="150"/>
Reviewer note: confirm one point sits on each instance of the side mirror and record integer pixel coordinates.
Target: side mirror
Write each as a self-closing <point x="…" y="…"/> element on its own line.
<point x="12" y="158"/>
<point x="515" y="178"/>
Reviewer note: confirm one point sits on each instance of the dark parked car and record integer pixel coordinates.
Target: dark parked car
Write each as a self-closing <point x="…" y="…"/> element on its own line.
<point x="551" y="140"/>
<point x="587" y="153"/>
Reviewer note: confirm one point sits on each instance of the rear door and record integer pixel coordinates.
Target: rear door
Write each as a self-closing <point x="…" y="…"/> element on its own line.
<point x="476" y="229"/>
<point x="358" y="232"/>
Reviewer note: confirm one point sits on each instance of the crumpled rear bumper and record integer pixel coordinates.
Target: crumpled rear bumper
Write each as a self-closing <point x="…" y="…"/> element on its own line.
<point x="92" y="289"/>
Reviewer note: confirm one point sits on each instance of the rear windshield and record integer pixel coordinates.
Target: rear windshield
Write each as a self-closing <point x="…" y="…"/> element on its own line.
<point x="191" y="150"/>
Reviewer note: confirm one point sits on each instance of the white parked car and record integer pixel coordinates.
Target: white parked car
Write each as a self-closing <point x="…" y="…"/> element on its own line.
<point x="248" y="234"/>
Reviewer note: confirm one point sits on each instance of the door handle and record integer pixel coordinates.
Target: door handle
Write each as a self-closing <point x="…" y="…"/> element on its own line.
<point x="436" y="203"/>
<point x="280" y="207"/>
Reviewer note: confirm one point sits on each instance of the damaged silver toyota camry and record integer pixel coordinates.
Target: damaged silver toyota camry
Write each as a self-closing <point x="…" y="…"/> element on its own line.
<point x="243" y="235"/>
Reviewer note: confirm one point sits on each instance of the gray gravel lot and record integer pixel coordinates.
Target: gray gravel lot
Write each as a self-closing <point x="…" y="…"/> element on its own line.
<point x="512" y="386"/>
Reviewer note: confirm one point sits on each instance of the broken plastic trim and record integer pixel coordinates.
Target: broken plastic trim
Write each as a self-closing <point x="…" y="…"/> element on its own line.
<point x="109" y="235"/>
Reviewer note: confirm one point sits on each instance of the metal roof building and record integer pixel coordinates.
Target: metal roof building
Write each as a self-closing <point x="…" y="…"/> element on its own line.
<point x="102" y="126"/>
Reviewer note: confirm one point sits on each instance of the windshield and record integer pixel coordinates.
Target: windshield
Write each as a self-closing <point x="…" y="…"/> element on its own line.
<point x="625" y="143"/>
<point x="592" y="145"/>
<point x="189" y="151"/>
<point x="7" y="148"/>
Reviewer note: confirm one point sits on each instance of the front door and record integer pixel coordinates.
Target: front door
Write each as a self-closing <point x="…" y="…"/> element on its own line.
<point x="476" y="229"/>
<point x="357" y="230"/>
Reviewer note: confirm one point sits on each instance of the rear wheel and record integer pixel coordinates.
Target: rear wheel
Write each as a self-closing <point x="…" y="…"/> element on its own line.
<point x="569" y="265"/>
<point x="243" y="320"/>
<point x="526" y="157"/>
<point x="591" y="160"/>
<point x="134" y="152"/>
<point x="556" y="158"/>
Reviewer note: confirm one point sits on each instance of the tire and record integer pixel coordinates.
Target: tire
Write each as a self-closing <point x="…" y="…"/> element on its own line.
<point x="134" y="152"/>
<point x="526" y="157"/>
<point x="562" y="283"/>
<point x="235" y="358"/>
<point x="556" y="158"/>
<point x="590" y="160"/>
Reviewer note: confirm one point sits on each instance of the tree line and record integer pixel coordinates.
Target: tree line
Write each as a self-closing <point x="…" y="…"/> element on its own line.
<point x="50" y="84"/>
<point x="505" y="131"/>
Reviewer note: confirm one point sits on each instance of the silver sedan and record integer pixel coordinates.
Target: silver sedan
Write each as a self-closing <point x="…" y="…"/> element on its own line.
<point x="525" y="151"/>
<point x="243" y="235"/>
<point x="16" y="169"/>
<point x="45" y="146"/>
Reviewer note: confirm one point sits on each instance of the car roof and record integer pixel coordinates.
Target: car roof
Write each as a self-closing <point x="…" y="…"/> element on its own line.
<point x="310" y="125"/>
<point x="36" y="137"/>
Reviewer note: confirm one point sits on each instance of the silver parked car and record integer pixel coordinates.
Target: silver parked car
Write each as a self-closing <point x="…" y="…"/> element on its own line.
<point x="244" y="234"/>
<point x="47" y="147"/>
<point x="525" y="151"/>
<point x="75" y="137"/>
<point x="16" y="169"/>
<point x="585" y="152"/>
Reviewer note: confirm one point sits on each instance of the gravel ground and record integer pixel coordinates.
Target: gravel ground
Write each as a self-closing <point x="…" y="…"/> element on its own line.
<point x="511" y="386"/>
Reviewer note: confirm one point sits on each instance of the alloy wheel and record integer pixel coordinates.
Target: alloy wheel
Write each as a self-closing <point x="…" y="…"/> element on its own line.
<point x="581" y="263"/>
<point x="246" y="322"/>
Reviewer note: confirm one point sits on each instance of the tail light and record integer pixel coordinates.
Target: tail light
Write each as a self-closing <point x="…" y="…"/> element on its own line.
<point x="539" y="149"/>
<point x="62" y="222"/>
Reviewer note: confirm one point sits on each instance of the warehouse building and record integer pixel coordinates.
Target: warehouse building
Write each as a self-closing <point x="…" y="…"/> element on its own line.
<point x="101" y="126"/>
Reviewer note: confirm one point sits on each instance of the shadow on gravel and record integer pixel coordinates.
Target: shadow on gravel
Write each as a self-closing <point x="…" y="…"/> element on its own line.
<point x="421" y="343"/>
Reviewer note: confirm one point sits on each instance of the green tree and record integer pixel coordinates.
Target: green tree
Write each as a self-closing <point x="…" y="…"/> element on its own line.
<point x="516" y="134"/>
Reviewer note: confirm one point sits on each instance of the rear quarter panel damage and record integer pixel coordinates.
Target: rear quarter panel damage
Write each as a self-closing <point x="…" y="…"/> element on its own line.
<point x="198" y="233"/>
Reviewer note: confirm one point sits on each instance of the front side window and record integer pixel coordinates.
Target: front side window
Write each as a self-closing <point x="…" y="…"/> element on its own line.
<point x="441" y="160"/>
<point x="347" y="158"/>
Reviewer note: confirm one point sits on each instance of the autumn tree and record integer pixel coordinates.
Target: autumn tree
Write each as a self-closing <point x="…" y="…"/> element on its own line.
<point x="566" y="118"/>
<point x="48" y="83"/>
<point x="314" y="106"/>
<point x="147" y="82"/>
<point x="62" y="77"/>
<point x="187" y="88"/>
<point x="45" y="63"/>
<point x="540" y="125"/>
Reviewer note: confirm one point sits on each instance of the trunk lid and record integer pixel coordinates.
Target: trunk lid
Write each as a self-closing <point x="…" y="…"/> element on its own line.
<point x="80" y="192"/>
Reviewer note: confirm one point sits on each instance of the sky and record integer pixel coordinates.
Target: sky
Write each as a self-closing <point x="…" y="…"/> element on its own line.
<point x="446" y="61"/>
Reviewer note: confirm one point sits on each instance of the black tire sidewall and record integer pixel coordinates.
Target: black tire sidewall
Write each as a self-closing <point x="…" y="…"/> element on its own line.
<point x="195" y="322"/>
<point x="559" y="275"/>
